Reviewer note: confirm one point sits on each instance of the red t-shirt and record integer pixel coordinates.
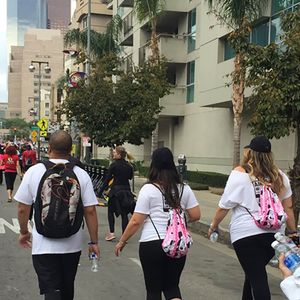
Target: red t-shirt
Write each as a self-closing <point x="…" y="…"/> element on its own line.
<point x="29" y="154"/>
<point x="10" y="163"/>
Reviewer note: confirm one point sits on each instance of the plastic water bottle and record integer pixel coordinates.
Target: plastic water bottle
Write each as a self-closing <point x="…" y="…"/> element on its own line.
<point x="214" y="236"/>
<point x="94" y="262"/>
<point x="291" y="260"/>
<point x="281" y="238"/>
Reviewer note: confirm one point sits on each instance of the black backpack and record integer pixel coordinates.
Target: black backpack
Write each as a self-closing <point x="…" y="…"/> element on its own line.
<point x="58" y="207"/>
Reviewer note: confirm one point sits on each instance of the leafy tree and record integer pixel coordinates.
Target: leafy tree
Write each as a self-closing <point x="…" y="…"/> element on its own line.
<point x="113" y="112"/>
<point x="101" y="43"/>
<point x="274" y="74"/>
<point x="21" y="126"/>
<point x="237" y="15"/>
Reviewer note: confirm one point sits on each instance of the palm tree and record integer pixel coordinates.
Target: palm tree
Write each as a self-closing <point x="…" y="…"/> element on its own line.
<point x="237" y="15"/>
<point x="101" y="43"/>
<point x="149" y="10"/>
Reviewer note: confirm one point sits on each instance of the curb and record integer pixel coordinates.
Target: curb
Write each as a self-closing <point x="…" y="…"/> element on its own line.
<point x="201" y="227"/>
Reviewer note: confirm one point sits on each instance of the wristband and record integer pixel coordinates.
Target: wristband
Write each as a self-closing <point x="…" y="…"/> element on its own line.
<point x="292" y="232"/>
<point x="124" y="243"/>
<point x="92" y="243"/>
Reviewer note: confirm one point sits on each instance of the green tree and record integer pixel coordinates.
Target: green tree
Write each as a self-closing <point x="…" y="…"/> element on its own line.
<point x="274" y="74"/>
<point x="237" y="15"/>
<point x="113" y="112"/>
<point x="21" y="126"/>
<point x="101" y="43"/>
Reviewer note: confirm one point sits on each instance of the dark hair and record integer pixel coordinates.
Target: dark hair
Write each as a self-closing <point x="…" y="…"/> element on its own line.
<point x="61" y="142"/>
<point x="11" y="150"/>
<point x="28" y="147"/>
<point x="163" y="172"/>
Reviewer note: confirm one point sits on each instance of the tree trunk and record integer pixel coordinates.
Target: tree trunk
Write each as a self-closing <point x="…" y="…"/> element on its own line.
<point x="154" y="138"/>
<point x="154" y="59"/>
<point x="238" y="87"/>
<point x="295" y="178"/>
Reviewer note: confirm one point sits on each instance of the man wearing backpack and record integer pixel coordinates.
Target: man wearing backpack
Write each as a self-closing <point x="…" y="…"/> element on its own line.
<point x="28" y="158"/>
<point x="57" y="233"/>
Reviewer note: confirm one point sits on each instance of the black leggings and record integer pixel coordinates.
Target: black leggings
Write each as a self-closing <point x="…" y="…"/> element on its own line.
<point x="161" y="273"/>
<point x="254" y="253"/>
<point x="10" y="178"/>
<point x="111" y="218"/>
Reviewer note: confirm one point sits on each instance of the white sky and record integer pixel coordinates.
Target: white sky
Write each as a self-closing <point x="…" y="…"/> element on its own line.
<point x="3" y="54"/>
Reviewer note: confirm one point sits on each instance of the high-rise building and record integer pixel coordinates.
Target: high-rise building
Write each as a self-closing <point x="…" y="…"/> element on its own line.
<point x="22" y="15"/>
<point x="43" y="45"/>
<point x="59" y="14"/>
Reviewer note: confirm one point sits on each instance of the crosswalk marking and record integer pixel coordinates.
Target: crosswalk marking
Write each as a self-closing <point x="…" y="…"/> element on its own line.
<point x="14" y="227"/>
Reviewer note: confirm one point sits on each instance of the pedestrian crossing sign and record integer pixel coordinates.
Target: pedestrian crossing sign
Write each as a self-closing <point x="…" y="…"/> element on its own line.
<point x="43" y="133"/>
<point x="43" y="124"/>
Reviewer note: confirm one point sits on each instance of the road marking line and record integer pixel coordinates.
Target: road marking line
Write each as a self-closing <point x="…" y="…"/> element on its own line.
<point x="13" y="227"/>
<point x="137" y="261"/>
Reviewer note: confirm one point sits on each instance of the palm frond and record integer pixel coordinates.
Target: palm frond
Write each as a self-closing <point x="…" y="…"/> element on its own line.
<point x="148" y="8"/>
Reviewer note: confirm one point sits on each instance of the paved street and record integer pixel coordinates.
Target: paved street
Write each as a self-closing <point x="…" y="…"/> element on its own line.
<point x="212" y="271"/>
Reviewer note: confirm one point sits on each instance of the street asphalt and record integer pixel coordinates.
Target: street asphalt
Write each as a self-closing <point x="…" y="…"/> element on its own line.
<point x="212" y="271"/>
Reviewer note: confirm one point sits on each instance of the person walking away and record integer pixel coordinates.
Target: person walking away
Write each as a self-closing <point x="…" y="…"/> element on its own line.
<point x="55" y="259"/>
<point x="163" y="193"/>
<point x="28" y="158"/>
<point x="120" y="171"/>
<point x="11" y="169"/>
<point x="252" y="243"/>
<point x="2" y="166"/>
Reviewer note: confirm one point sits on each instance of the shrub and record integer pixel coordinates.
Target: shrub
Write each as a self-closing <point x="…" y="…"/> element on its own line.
<point x="212" y="179"/>
<point x="198" y="186"/>
<point x="100" y="162"/>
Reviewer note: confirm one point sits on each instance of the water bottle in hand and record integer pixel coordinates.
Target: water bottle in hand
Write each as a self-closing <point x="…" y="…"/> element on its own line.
<point x="94" y="262"/>
<point x="214" y="236"/>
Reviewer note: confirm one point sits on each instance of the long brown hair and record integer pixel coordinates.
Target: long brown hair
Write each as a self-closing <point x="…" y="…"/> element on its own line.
<point x="262" y="166"/>
<point x="123" y="153"/>
<point x="164" y="173"/>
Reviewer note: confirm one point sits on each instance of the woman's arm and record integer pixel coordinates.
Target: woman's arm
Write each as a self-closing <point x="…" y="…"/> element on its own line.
<point x="136" y="221"/>
<point x="194" y="213"/>
<point x="288" y="208"/>
<point x="218" y="218"/>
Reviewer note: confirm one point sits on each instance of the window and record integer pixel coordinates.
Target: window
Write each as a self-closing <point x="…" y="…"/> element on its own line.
<point x="229" y="52"/>
<point x="84" y="22"/>
<point x="275" y="30"/>
<point x="47" y="105"/>
<point x="192" y="30"/>
<point x="190" y="82"/>
<point x="260" y="34"/>
<point x="47" y="113"/>
<point x="279" y="5"/>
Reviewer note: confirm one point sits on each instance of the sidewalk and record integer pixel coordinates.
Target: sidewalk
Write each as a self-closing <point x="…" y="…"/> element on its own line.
<point x="208" y="203"/>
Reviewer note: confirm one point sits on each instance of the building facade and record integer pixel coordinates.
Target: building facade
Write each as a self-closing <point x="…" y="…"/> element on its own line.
<point x="59" y="14"/>
<point x="197" y="118"/>
<point x="44" y="45"/>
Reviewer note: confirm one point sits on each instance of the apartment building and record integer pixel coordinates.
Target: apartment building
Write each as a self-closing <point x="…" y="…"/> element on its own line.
<point x="197" y="118"/>
<point x="43" y="45"/>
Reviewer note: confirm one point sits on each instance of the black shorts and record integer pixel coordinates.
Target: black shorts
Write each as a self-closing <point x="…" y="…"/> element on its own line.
<point x="56" y="272"/>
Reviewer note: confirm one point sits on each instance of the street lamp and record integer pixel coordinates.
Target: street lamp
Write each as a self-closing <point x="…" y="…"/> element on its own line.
<point x="47" y="70"/>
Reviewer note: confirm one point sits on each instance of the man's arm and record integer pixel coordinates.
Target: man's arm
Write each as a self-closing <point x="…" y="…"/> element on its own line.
<point x="23" y="217"/>
<point x="91" y="219"/>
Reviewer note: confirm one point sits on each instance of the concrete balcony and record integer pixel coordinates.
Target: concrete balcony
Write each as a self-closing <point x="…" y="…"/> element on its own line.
<point x="174" y="104"/>
<point x="125" y="3"/>
<point x="172" y="47"/>
<point x="179" y="6"/>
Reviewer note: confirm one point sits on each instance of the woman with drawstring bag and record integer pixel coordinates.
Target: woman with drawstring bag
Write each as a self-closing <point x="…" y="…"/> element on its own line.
<point x="163" y="193"/>
<point x="253" y="225"/>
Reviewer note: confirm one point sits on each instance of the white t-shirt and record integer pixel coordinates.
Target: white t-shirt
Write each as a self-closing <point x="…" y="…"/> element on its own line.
<point x="291" y="286"/>
<point x="151" y="202"/>
<point x="238" y="194"/>
<point x="27" y="193"/>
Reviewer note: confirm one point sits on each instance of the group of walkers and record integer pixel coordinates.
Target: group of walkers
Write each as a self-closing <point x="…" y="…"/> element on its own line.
<point x="56" y="257"/>
<point x="14" y="160"/>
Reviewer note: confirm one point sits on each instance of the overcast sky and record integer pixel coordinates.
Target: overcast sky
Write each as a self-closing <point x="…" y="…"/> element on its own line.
<point x="3" y="54"/>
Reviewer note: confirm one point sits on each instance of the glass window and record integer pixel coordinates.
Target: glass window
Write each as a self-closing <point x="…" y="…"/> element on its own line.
<point x="84" y="23"/>
<point x="192" y="30"/>
<point x="229" y="52"/>
<point x="47" y="105"/>
<point x="190" y="82"/>
<point x="260" y="34"/>
<point x="47" y="113"/>
<point x="275" y="30"/>
<point x="279" y="5"/>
